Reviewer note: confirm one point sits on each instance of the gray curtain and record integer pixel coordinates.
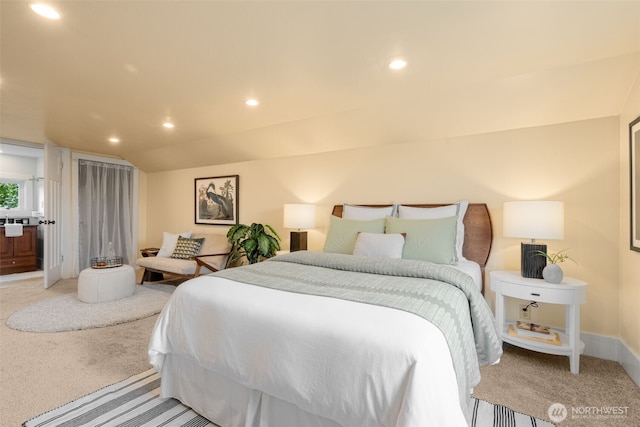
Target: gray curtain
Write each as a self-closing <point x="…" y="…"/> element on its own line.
<point x="105" y="207"/>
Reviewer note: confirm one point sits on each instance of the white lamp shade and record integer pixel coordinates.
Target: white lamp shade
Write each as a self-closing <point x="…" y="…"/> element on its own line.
<point x="299" y="216"/>
<point x="534" y="220"/>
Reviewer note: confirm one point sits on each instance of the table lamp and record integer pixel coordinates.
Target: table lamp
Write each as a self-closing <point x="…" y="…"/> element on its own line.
<point x="533" y="220"/>
<point x="299" y="216"/>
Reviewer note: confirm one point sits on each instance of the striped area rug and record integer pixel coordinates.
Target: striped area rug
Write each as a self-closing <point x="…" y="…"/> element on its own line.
<point x="135" y="402"/>
<point x="487" y="414"/>
<point x="132" y="402"/>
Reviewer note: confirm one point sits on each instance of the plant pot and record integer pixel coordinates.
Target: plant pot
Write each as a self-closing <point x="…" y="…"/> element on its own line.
<point x="552" y="273"/>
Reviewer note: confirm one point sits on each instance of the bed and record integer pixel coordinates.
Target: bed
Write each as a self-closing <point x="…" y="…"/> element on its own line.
<point x="331" y="339"/>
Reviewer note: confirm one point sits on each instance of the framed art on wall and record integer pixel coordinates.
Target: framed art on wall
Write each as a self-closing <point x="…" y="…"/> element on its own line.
<point x="216" y="200"/>
<point x="634" y="155"/>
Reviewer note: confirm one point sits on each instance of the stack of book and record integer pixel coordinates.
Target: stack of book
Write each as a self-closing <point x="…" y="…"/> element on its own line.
<point x="534" y="332"/>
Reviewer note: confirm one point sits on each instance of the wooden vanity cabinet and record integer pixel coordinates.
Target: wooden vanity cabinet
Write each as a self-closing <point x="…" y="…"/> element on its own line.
<point x="19" y="254"/>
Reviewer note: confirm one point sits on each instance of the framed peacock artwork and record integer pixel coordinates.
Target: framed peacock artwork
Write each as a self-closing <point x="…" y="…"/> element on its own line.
<point x="216" y="200"/>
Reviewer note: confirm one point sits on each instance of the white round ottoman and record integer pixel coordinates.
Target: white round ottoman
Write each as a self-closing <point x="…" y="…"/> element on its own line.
<point x="106" y="284"/>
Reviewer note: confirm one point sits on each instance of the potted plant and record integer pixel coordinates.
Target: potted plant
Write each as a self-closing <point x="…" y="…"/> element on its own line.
<point x="253" y="241"/>
<point x="552" y="273"/>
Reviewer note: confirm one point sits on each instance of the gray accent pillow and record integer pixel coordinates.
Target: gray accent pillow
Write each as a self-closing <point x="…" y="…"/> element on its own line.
<point x="431" y="240"/>
<point x="460" y="209"/>
<point x="341" y="238"/>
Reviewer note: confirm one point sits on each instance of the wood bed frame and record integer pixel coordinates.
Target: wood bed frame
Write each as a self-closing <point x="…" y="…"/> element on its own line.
<point x="478" y="232"/>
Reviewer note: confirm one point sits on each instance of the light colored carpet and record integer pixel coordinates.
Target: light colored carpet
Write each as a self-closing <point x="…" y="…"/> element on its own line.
<point x="136" y="401"/>
<point x="39" y="372"/>
<point x="531" y="382"/>
<point x="68" y="313"/>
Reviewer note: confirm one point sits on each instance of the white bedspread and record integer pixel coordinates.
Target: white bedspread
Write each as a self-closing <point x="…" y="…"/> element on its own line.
<point x="359" y="365"/>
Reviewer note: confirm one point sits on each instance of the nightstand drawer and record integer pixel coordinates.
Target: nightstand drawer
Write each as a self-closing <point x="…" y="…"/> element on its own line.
<point x="535" y="293"/>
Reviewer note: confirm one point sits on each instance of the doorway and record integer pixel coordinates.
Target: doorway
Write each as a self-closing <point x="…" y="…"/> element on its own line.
<point x="31" y="166"/>
<point x="21" y="177"/>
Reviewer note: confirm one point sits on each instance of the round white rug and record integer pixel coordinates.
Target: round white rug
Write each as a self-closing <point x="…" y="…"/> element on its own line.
<point x="68" y="313"/>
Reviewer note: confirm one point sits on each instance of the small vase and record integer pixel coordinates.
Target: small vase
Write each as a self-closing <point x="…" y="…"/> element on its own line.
<point x="552" y="273"/>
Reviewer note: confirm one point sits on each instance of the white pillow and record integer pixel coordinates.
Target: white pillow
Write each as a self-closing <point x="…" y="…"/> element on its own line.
<point x="379" y="245"/>
<point x="169" y="241"/>
<point x="365" y="213"/>
<point x="460" y="209"/>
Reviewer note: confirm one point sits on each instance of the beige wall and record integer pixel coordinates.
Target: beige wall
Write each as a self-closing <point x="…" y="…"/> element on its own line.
<point x="629" y="260"/>
<point x="577" y="163"/>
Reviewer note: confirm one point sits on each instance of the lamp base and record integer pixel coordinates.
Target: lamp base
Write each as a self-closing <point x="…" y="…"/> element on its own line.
<point x="532" y="264"/>
<point x="298" y="241"/>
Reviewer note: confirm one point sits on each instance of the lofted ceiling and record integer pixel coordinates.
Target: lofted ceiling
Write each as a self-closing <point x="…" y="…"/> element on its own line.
<point x="319" y="69"/>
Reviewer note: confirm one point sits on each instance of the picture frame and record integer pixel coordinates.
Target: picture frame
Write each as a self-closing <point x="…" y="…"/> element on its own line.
<point x="634" y="187"/>
<point x="216" y="200"/>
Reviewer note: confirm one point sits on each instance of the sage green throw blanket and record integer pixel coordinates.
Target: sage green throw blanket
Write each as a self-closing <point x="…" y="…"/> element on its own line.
<point x="444" y="296"/>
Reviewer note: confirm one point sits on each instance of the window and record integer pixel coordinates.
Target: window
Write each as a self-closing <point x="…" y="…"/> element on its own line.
<point x="10" y="194"/>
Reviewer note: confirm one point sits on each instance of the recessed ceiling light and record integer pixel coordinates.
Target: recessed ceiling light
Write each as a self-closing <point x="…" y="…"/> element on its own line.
<point x="252" y="102"/>
<point x="168" y="125"/>
<point x="114" y="140"/>
<point x="397" y="64"/>
<point x="44" y="10"/>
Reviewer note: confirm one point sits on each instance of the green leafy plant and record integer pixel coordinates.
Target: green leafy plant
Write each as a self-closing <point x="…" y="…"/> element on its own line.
<point x="253" y="241"/>
<point x="9" y="194"/>
<point x="556" y="257"/>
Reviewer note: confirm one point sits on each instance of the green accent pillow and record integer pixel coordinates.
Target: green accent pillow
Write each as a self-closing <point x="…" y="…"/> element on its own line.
<point x="342" y="235"/>
<point x="431" y="240"/>
<point x="186" y="248"/>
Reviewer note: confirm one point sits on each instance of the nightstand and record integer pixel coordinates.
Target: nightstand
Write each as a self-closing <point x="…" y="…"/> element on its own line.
<point x="570" y="292"/>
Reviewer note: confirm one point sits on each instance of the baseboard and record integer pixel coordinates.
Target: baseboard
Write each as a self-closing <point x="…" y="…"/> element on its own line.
<point x="611" y="348"/>
<point x="601" y="346"/>
<point x="630" y="361"/>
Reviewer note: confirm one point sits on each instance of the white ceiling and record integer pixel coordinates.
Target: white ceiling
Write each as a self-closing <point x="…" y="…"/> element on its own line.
<point x="319" y="70"/>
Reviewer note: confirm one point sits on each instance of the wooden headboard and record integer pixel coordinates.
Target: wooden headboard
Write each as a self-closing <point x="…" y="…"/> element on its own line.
<point x="478" y="233"/>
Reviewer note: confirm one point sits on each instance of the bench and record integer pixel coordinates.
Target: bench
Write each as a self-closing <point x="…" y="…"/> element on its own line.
<point x="213" y="256"/>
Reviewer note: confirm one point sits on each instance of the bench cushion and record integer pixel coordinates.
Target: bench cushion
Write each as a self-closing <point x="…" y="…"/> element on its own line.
<point x="170" y="265"/>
